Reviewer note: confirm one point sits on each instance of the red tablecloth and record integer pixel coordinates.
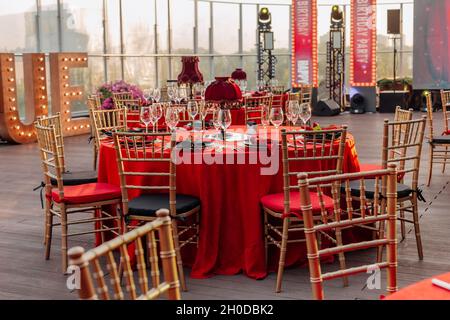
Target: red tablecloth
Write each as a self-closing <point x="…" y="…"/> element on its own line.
<point x="231" y="232"/>
<point x="423" y="290"/>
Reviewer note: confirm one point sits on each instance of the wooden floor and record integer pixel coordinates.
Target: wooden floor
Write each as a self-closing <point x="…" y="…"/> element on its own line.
<point x="24" y="274"/>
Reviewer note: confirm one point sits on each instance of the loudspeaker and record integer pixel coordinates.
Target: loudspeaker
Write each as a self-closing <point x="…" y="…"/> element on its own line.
<point x="327" y="108"/>
<point x="358" y="104"/>
<point x="393" y="25"/>
<point x="390" y="100"/>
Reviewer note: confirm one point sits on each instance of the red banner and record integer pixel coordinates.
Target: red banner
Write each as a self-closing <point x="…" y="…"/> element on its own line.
<point x="363" y="43"/>
<point x="304" y="42"/>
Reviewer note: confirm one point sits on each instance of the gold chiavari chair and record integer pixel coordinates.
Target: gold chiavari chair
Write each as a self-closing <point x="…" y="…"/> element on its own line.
<point x="64" y="201"/>
<point x="106" y="121"/>
<point x="316" y="148"/>
<point x="253" y="107"/>
<point x="438" y="144"/>
<point x="344" y="218"/>
<point x="400" y="115"/>
<point x="445" y="98"/>
<point x="402" y="146"/>
<point x="122" y="96"/>
<point x="94" y="102"/>
<point x="403" y="115"/>
<point x="93" y="280"/>
<point x="157" y="188"/>
<point x="69" y="177"/>
<point x="306" y="93"/>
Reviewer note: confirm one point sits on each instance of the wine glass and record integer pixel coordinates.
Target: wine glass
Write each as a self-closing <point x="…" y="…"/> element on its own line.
<point x="293" y="111"/>
<point x="224" y="120"/>
<point x="147" y="93"/>
<point x="276" y="117"/>
<point x="192" y="109"/>
<point x="260" y="85"/>
<point x="146" y="116"/>
<point x="265" y="116"/>
<point x="305" y="113"/>
<point x="216" y="120"/>
<point x="172" y="118"/>
<point x="203" y="111"/>
<point x="182" y="94"/>
<point x="172" y="93"/>
<point x="157" y="94"/>
<point x="157" y="112"/>
<point x="243" y="85"/>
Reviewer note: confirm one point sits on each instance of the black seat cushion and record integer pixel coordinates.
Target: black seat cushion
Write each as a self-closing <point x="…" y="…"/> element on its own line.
<point x="403" y="191"/>
<point x="77" y="178"/>
<point x="442" y="140"/>
<point x="146" y="205"/>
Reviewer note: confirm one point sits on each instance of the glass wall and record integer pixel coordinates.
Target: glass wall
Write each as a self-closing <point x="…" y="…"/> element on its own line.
<point x="142" y="41"/>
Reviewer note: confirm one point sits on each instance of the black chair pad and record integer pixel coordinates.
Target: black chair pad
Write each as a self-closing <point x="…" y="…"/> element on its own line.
<point x="146" y="205"/>
<point x="77" y="178"/>
<point x="403" y="191"/>
<point x="442" y="140"/>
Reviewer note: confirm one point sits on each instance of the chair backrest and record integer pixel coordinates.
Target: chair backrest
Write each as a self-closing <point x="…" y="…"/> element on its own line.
<point x="94" y="102"/>
<point x="55" y="121"/>
<point x="146" y="148"/>
<point x="402" y="146"/>
<point x="445" y="98"/>
<point x="429" y="103"/>
<point x="346" y="216"/>
<point x="50" y="157"/>
<point x="316" y="148"/>
<point x="403" y="115"/>
<point x="306" y="93"/>
<point x="253" y="107"/>
<point x="122" y="96"/>
<point x="93" y="280"/>
<point x="107" y="120"/>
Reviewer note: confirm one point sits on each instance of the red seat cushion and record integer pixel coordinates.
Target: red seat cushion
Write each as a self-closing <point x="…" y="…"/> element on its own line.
<point x="87" y="193"/>
<point x="367" y="167"/>
<point x="275" y="202"/>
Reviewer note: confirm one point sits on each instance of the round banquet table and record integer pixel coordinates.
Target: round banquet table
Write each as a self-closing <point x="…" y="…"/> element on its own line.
<point x="423" y="290"/>
<point x="231" y="222"/>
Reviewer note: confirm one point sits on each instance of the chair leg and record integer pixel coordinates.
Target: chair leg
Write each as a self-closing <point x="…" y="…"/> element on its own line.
<point x="430" y="172"/>
<point x="381" y="236"/>
<point x="444" y="166"/>
<point x="266" y="240"/>
<point x="64" y="239"/>
<point x="402" y="223"/>
<point x="342" y="263"/>
<point x="176" y="242"/>
<point x="95" y="157"/>
<point x="48" y="230"/>
<point x="282" y="261"/>
<point x="417" y="228"/>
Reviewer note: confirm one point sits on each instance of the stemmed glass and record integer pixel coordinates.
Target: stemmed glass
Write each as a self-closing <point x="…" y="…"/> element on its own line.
<point x="156" y="94"/>
<point x="203" y="112"/>
<point x="147" y="95"/>
<point x="276" y="117"/>
<point x="305" y="113"/>
<point x="216" y="120"/>
<point x="265" y="116"/>
<point x="146" y="116"/>
<point x="172" y="118"/>
<point x="157" y="112"/>
<point x="172" y="93"/>
<point x="192" y="109"/>
<point x="293" y="111"/>
<point x="224" y="120"/>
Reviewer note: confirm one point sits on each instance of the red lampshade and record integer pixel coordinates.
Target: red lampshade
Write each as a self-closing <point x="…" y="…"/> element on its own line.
<point x="190" y="73"/>
<point x="224" y="90"/>
<point x="239" y="74"/>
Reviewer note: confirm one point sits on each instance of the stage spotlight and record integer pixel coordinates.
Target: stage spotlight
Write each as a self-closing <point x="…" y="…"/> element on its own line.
<point x="337" y="16"/>
<point x="264" y="18"/>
